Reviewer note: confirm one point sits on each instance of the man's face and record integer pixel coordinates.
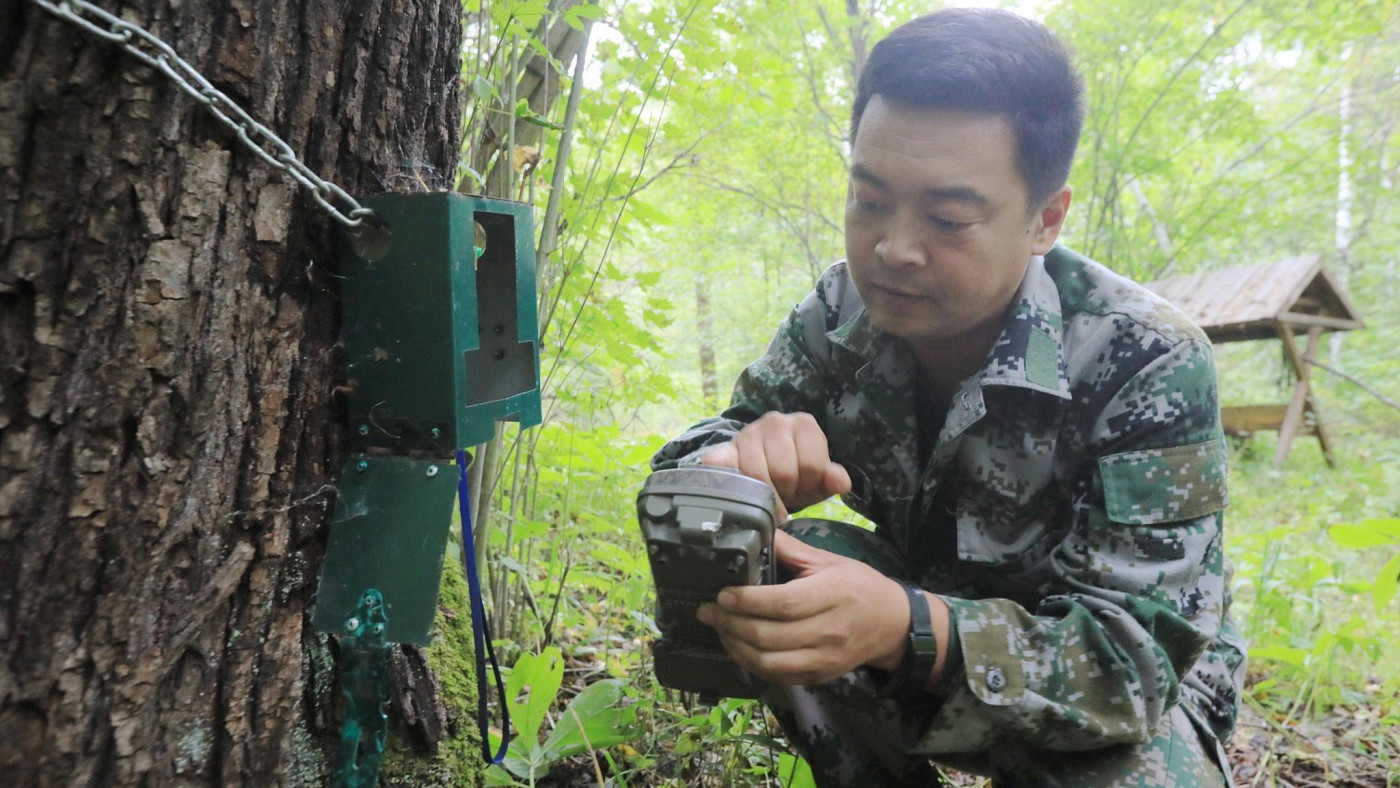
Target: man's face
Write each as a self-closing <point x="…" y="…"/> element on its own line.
<point x="938" y="223"/>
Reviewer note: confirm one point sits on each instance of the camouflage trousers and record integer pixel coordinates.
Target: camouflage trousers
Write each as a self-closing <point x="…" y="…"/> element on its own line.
<point x="851" y="735"/>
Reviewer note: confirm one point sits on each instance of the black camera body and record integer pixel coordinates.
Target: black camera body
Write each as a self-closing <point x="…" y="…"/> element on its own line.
<point x="706" y="528"/>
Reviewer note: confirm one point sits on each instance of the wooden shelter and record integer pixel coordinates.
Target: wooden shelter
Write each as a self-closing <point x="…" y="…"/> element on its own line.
<point x="1273" y="301"/>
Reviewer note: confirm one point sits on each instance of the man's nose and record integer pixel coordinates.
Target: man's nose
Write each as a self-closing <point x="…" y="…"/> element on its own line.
<point x="902" y="242"/>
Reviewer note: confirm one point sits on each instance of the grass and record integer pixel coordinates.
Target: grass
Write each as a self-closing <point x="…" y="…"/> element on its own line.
<point x="1321" y="706"/>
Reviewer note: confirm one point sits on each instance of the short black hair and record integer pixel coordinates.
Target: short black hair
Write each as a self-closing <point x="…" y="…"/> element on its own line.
<point x="989" y="61"/>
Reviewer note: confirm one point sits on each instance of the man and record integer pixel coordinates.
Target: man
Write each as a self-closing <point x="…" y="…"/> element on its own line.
<point x="1037" y="440"/>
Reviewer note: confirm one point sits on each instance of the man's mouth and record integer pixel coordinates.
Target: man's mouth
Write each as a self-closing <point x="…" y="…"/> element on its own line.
<point x="897" y="292"/>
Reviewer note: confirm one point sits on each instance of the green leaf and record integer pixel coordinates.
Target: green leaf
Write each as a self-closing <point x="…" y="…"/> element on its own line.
<point x="646" y="212"/>
<point x="793" y="772"/>
<point x="497" y="775"/>
<point x="1367" y="533"/>
<point x="515" y="763"/>
<point x="514" y="29"/>
<point x="530" y="529"/>
<point x="604" y="724"/>
<point x="527" y="12"/>
<point x="541" y="674"/>
<point x="483" y="89"/>
<point x="538" y="47"/>
<point x="524" y="759"/>
<point x="1387" y="582"/>
<point x="575" y="16"/>
<point x="1296" y="657"/>
<point x="646" y="621"/>
<point x="532" y="9"/>
<point x="523" y="112"/>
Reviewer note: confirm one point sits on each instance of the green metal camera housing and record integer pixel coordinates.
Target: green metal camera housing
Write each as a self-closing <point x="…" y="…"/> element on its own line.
<point x="441" y="331"/>
<point x="440" y="335"/>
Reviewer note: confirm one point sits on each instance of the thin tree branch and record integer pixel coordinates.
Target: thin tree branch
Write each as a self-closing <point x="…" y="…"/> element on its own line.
<point x="550" y="232"/>
<point x="777" y="211"/>
<point x="774" y="207"/>
<point x="671" y="165"/>
<point x="1344" y="376"/>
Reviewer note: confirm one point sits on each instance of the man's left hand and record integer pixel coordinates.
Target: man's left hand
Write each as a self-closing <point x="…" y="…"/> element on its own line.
<point x="835" y="615"/>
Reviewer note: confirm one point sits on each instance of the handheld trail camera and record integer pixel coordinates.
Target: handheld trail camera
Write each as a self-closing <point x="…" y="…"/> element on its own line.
<point x="706" y="528"/>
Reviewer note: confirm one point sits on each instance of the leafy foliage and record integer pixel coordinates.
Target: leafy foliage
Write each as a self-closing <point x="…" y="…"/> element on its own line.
<point x="593" y="719"/>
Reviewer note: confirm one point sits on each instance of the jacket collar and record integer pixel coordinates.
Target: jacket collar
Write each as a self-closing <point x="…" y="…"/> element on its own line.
<point x="1028" y="354"/>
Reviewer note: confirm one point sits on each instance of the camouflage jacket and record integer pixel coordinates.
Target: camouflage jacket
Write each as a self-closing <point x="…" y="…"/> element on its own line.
<point x="1070" y="512"/>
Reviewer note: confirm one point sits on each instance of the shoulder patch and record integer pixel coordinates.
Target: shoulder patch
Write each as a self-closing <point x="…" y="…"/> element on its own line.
<point x="1152" y="486"/>
<point x="1042" y="359"/>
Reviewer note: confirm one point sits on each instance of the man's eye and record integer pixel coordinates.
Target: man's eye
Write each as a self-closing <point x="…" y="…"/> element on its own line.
<point x="870" y="205"/>
<point x="947" y="224"/>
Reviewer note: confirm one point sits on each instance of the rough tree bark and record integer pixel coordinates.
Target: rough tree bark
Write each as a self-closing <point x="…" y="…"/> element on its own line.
<point x="169" y="434"/>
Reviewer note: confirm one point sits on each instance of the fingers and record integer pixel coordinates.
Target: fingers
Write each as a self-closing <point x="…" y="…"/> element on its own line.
<point x="837" y="614"/>
<point x="797" y="555"/>
<point x="765" y="634"/>
<point x="784" y="461"/>
<point x="811" y="447"/>
<point x="793" y="649"/>
<point x="724" y="455"/>
<point x="767" y="455"/>
<point x="837" y="480"/>
<point x="789" y="452"/>
<point x="784" y="602"/>
<point x="796" y="667"/>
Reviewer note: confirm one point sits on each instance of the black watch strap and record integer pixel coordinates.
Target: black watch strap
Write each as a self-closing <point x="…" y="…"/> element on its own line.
<point x="920" y="649"/>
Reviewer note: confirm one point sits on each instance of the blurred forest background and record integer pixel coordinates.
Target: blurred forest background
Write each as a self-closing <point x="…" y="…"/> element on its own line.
<point x="689" y="181"/>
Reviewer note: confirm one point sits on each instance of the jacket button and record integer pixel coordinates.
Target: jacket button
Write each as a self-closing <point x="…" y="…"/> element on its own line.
<point x="996" y="681"/>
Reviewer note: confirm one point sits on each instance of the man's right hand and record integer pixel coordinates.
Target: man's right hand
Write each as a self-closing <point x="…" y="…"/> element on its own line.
<point x="789" y="452"/>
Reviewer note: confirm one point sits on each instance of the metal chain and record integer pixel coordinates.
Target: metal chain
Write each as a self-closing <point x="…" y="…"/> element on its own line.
<point x="259" y="139"/>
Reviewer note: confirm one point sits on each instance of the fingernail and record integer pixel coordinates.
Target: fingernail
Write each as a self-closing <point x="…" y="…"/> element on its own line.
<point x="706" y="614"/>
<point x="728" y="599"/>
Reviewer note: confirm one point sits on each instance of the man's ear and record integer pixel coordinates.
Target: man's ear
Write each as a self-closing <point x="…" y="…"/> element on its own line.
<point x="1049" y="218"/>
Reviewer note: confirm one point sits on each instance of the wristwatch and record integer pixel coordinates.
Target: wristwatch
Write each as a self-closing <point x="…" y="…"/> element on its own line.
<point x="921" y="652"/>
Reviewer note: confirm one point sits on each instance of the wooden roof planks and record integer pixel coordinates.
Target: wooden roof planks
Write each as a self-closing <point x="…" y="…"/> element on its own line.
<point x="1249" y="303"/>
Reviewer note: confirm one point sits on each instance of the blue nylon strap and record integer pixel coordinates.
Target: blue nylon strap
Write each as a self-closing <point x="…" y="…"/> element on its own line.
<point x="481" y="628"/>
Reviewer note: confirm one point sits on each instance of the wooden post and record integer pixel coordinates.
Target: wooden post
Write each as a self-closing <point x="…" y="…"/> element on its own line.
<point x="1300" y="403"/>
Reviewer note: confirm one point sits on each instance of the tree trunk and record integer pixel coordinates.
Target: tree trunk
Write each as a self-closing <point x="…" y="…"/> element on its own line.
<point x="169" y="430"/>
<point x="704" y="335"/>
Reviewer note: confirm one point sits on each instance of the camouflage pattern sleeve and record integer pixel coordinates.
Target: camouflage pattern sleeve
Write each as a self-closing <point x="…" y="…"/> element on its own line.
<point x="792" y="376"/>
<point x="1133" y="593"/>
